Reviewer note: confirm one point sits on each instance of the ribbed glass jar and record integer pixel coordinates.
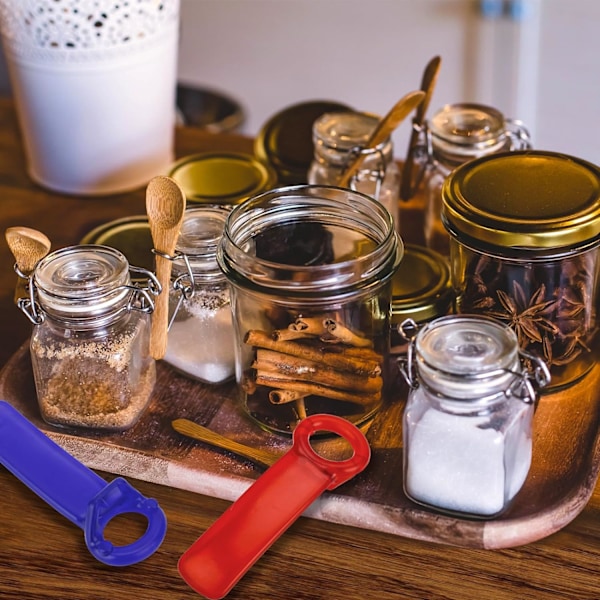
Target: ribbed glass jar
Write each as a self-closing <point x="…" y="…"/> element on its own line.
<point x="90" y="343"/>
<point x="310" y="270"/>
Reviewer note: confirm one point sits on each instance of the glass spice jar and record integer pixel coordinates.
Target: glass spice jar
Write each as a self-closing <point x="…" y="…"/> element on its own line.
<point x="467" y="425"/>
<point x="311" y="270"/>
<point x="339" y="138"/>
<point x="200" y="337"/>
<point x="90" y="342"/>
<point x="456" y="134"/>
<point x="524" y="232"/>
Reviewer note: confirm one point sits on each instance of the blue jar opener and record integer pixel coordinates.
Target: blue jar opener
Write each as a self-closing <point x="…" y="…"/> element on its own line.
<point x="76" y="491"/>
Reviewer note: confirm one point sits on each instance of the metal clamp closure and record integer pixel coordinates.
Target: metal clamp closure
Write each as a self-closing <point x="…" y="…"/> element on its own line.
<point x="184" y="283"/>
<point x="376" y="175"/>
<point x="534" y="376"/>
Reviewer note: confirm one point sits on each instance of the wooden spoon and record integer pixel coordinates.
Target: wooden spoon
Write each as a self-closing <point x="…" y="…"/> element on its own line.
<point x="384" y="129"/>
<point x="408" y="185"/>
<point x="165" y="205"/>
<point x="262" y="458"/>
<point x="28" y="246"/>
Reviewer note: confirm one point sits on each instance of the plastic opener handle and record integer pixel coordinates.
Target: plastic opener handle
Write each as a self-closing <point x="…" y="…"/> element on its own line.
<point x="235" y="541"/>
<point x="76" y="491"/>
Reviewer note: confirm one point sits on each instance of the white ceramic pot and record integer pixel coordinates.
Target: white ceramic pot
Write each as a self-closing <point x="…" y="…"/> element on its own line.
<point x="94" y="84"/>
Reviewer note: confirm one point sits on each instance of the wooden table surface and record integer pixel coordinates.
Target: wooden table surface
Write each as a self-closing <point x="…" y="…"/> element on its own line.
<point x="42" y="555"/>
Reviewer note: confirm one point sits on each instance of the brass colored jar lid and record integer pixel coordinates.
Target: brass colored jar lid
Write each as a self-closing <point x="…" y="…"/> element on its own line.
<point x="225" y="178"/>
<point x="129" y="235"/>
<point x="421" y="288"/>
<point x="523" y="200"/>
<point x="285" y="141"/>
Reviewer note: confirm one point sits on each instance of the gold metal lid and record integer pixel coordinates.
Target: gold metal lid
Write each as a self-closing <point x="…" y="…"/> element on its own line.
<point x="523" y="200"/>
<point x="129" y="235"/>
<point x="421" y="287"/>
<point x="285" y="141"/>
<point x="222" y="177"/>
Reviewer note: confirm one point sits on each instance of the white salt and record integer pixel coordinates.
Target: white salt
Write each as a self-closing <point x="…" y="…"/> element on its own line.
<point x="203" y="345"/>
<point x="459" y="463"/>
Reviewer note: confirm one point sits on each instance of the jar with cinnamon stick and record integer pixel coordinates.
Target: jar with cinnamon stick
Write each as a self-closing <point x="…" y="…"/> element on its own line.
<point x="310" y="271"/>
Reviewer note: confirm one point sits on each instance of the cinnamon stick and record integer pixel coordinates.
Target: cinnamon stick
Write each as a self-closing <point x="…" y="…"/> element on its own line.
<point x="270" y="361"/>
<point x="337" y="357"/>
<point x="309" y="389"/>
<point x="341" y="333"/>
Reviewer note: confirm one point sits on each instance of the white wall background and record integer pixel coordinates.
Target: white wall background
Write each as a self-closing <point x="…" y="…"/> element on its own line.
<point x="543" y="69"/>
<point x="268" y="54"/>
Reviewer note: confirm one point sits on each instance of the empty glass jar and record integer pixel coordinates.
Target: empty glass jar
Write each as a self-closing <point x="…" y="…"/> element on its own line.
<point x="90" y="342"/>
<point x="456" y="134"/>
<point x="310" y="269"/>
<point x="341" y="137"/>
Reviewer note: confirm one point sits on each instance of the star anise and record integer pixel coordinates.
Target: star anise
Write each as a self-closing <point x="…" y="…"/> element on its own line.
<point x="530" y="320"/>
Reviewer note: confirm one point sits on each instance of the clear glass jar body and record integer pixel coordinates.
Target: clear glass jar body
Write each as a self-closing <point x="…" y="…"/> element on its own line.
<point x="525" y="232"/>
<point x="310" y="269"/>
<point x="200" y="339"/>
<point x="457" y="134"/>
<point x="338" y="139"/>
<point x="467" y="427"/>
<point x="90" y="348"/>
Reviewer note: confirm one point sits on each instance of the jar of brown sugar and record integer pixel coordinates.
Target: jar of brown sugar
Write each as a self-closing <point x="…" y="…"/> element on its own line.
<point x="90" y="342"/>
<point x="310" y="270"/>
<point x="524" y="236"/>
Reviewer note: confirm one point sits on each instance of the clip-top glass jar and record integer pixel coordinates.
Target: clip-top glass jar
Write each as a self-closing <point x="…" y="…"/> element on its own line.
<point x="467" y="427"/>
<point x="341" y="137"/>
<point x="524" y="232"/>
<point x="200" y="337"/>
<point x="90" y="343"/>
<point x="311" y="270"/>
<point x="456" y="134"/>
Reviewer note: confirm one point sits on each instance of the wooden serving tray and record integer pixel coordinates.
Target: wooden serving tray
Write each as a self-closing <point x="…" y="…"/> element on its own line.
<point x="566" y="458"/>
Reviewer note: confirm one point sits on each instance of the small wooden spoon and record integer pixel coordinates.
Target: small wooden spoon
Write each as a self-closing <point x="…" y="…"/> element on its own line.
<point x="28" y="246"/>
<point x="260" y="457"/>
<point x="384" y="129"/>
<point x="165" y="205"/>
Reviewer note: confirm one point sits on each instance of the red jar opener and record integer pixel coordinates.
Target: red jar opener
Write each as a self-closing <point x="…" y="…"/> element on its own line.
<point x="235" y="541"/>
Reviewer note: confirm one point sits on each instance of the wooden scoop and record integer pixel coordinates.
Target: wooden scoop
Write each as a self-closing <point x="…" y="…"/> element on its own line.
<point x="165" y="205"/>
<point x="263" y="458"/>
<point x="28" y="246"/>
<point x="384" y="129"/>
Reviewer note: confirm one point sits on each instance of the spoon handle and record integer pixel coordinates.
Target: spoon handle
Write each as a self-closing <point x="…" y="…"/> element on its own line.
<point x="384" y="129"/>
<point x="186" y="427"/>
<point x="160" y="316"/>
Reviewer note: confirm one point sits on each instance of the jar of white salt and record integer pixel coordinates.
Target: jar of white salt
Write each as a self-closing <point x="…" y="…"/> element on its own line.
<point x="467" y="424"/>
<point x="200" y="337"/>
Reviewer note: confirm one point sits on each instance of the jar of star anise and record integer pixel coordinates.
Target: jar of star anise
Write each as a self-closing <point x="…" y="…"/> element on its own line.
<point x="524" y="235"/>
<point x="310" y="271"/>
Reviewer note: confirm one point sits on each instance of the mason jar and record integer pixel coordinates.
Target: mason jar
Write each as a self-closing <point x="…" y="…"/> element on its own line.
<point x="341" y="137"/>
<point x="90" y="341"/>
<point x="200" y="336"/>
<point x="524" y="233"/>
<point x="456" y="134"/>
<point x="467" y="425"/>
<point x="310" y="271"/>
